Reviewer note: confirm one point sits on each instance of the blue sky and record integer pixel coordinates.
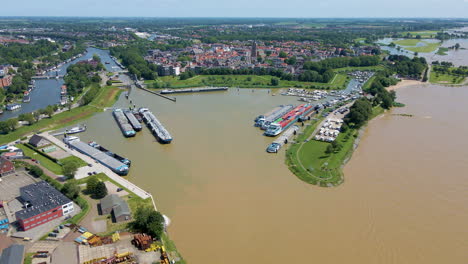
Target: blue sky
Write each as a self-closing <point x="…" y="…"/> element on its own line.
<point x="238" y="8"/>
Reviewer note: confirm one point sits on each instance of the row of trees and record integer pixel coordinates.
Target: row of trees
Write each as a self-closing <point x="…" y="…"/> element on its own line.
<point x="12" y="124"/>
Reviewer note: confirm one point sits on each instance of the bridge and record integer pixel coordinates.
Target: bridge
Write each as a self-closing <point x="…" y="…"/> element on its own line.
<point x="45" y="77"/>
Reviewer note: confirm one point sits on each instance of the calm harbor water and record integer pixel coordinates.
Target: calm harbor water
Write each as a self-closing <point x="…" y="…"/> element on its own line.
<point x="47" y="92"/>
<point x="403" y="201"/>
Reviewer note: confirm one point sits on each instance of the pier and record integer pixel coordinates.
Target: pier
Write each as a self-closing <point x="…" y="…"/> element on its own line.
<point x="194" y="90"/>
<point x="158" y="94"/>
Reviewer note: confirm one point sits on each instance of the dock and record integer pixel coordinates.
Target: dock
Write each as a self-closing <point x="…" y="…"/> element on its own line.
<point x="157" y="129"/>
<point x="283" y="139"/>
<point x="194" y="90"/>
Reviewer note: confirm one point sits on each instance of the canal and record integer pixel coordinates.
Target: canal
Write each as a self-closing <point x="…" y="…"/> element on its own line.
<point x="403" y="200"/>
<point x="47" y="92"/>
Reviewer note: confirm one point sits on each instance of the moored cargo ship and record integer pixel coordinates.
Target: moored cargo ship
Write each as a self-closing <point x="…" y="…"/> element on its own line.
<point x="289" y="119"/>
<point x="158" y="130"/>
<point x="133" y="120"/>
<point x="101" y="157"/>
<point x="122" y="121"/>
<point x="109" y="153"/>
<point x="275" y="116"/>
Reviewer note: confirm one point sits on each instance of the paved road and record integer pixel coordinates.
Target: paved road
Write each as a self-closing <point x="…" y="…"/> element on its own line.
<point x="99" y="167"/>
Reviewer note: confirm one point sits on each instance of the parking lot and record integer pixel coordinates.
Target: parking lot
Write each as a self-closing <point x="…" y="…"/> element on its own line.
<point x="10" y="184"/>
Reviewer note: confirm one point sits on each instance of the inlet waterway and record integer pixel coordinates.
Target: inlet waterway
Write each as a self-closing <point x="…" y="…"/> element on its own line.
<point x="47" y="92"/>
<point x="403" y="200"/>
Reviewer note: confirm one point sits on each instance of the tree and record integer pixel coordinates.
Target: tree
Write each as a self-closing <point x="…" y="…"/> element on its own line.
<point x="274" y="81"/>
<point x="4" y="128"/>
<point x="28" y="117"/>
<point x="91" y="184"/>
<point x="148" y="221"/>
<point x="100" y="191"/>
<point x="282" y="54"/>
<point x="36" y="171"/>
<point x="37" y="115"/>
<point x="71" y="189"/>
<point x="109" y="83"/>
<point x="12" y="123"/>
<point x="329" y="149"/>
<point x="69" y="169"/>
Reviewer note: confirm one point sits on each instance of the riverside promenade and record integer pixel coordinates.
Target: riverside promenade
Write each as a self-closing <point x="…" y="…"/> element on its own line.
<point x="98" y="167"/>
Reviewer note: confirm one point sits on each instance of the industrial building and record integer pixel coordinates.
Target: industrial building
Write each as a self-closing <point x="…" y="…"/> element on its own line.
<point x="113" y="204"/>
<point x="42" y="203"/>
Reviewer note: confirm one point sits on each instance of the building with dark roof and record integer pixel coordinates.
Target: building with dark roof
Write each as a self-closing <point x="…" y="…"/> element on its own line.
<point x="13" y="255"/>
<point x="113" y="204"/>
<point x="38" y="141"/>
<point x="42" y="203"/>
<point x="6" y="167"/>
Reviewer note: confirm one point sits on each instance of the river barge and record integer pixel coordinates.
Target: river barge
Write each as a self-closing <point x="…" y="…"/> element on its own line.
<point x="158" y="130"/>
<point x="194" y="90"/>
<point x="265" y="123"/>
<point x="109" y="153"/>
<point x="101" y="157"/>
<point x="133" y="120"/>
<point x="288" y="119"/>
<point x="122" y="121"/>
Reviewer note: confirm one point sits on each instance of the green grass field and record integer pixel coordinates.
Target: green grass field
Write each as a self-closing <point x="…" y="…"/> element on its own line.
<point x="442" y="51"/>
<point x="244" y="81"/>
<point x="309" y="162"/>
<point x="440" y="78"/>
<point x="410" y="44"/>
<point x="78" y="161"/>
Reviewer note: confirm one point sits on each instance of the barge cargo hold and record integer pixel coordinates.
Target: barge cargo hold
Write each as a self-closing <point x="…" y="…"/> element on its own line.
<point x="106" y="160"/>
<point x="133" y="120"/>
<point x="122" y="121"/>
<point x="109" y="153"/>
<point x="193" y="90"/>
<point x="157" y="129"/>
<point x="261" y="118"/>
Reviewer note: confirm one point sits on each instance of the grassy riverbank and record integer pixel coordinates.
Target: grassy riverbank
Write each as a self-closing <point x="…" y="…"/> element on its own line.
<point x="310" y="162"/>
<point x="244" y="81"/>
<point x="106" y="97"/>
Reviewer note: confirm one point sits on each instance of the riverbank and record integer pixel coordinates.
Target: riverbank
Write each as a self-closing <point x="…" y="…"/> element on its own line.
<point x="404" y="83"/>
<point x="106" y="97"/>
<point x="310" y="161"/>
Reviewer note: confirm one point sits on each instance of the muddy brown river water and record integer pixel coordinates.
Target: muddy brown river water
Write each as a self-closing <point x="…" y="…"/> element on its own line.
<point x="404" y="199"/>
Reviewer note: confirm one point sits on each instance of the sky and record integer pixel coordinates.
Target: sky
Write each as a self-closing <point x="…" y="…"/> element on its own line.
<point x="237" y="8"/>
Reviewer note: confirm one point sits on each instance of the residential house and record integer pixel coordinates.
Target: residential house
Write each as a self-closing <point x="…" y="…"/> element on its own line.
<point x="6" y="167"/>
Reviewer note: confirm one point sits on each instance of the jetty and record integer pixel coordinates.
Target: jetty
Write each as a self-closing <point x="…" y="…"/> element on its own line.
<point x="156" y="93"/>
<point x="194" y="90"/>
<point x="283" y="139"/>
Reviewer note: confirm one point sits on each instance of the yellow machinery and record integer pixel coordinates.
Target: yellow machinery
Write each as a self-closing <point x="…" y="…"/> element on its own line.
<point x="153" y="247"/>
